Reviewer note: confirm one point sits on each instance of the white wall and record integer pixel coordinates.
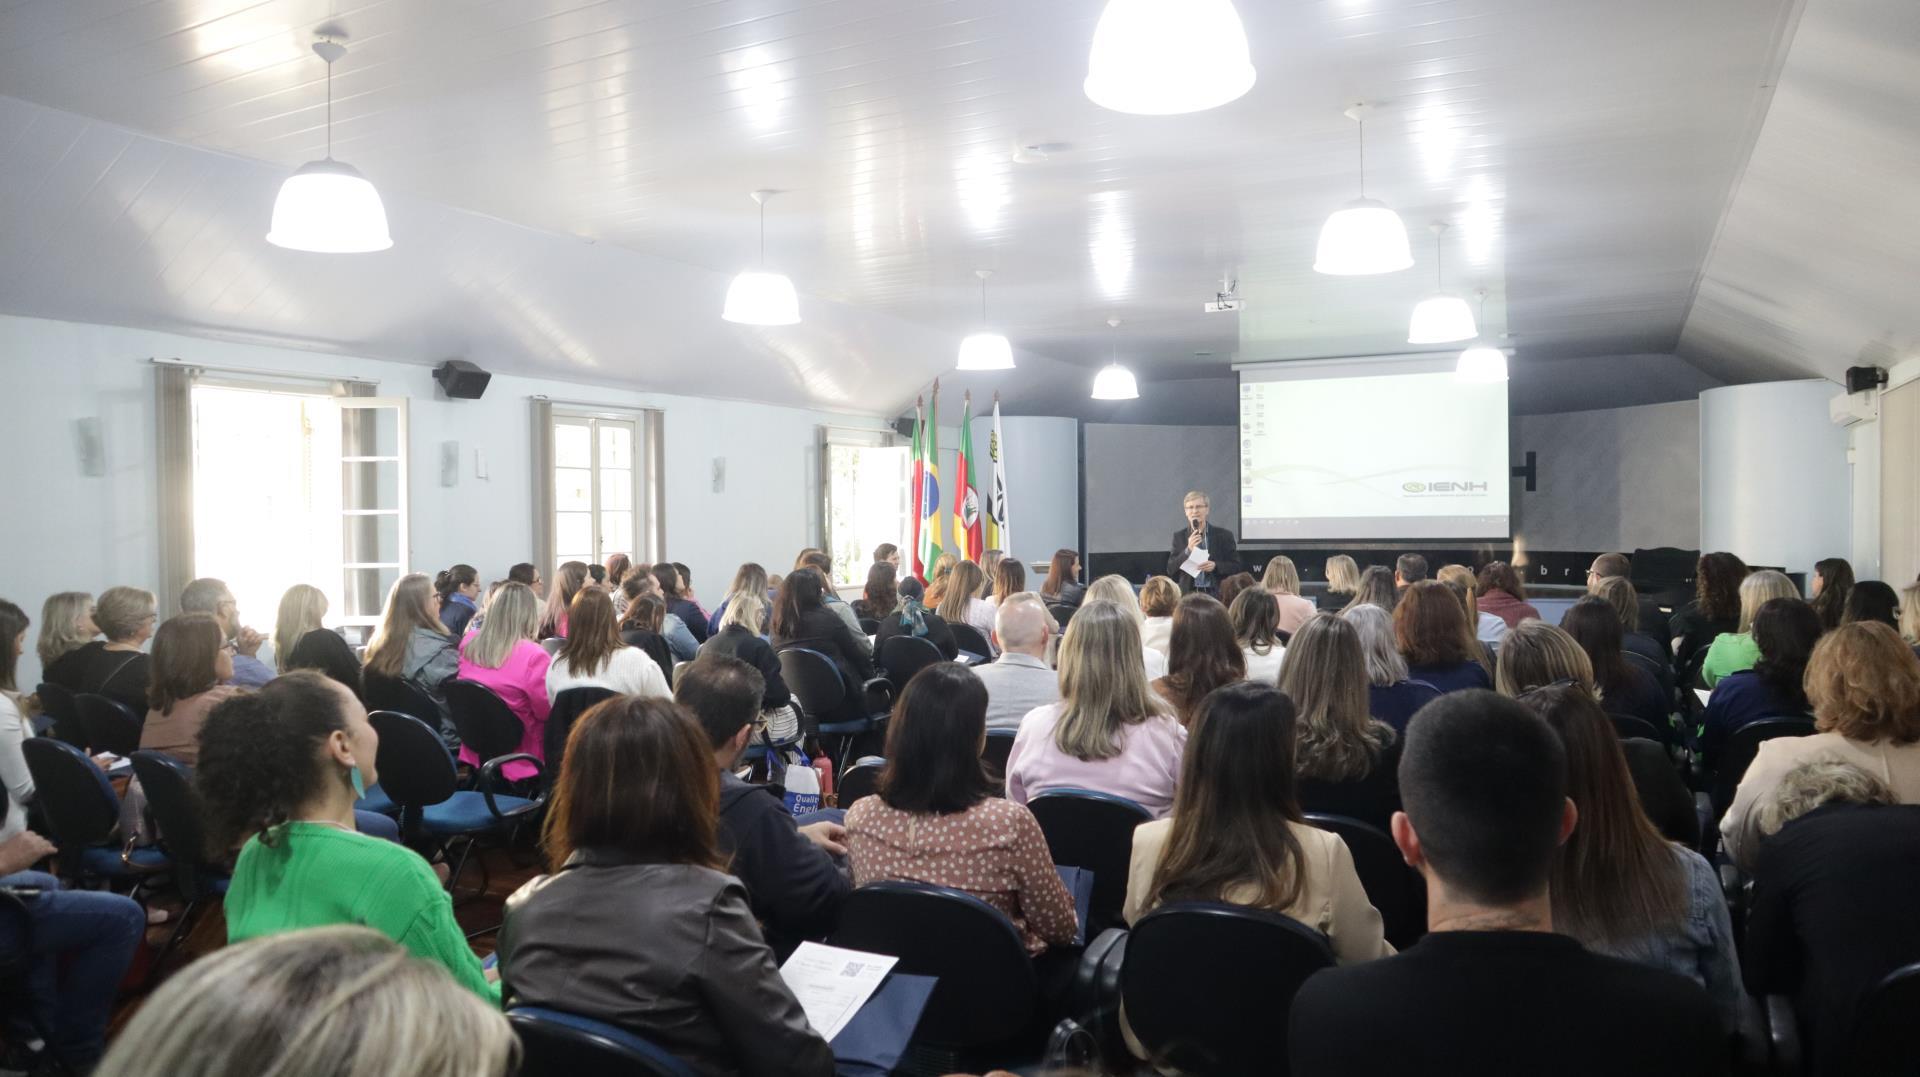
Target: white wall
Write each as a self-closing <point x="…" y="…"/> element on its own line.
<point x="1774" y="483"/>
<point x="68" y="531"/>
<point x="1617" y="479"/>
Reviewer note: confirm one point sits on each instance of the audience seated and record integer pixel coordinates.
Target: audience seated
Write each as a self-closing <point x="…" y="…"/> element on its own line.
<point x="1486" y="627"/>
<point x="643" y="627"/>
<point x="1430" y="627"/>
<point x="1624" y="688"/>
<point x="1621" y="888"/>
<point x="119" y="669"/>
<point x="212" y="597"/>
<point x="1158" y="599"/>
<point x="279" y="770"/>
<point x="504" y="658"/>
<point x="1237" y="835"/>
<point x="67" y="645"/>
<point x="1392" y="696"/>
<point x="879" y="596"/>
<point x="1062" y="586"/>
<point x="1715" y="610"/>
<point x="1538" y="655"/>
<point x="1649" y="618"/>
<point x="1343" y="580"/>
<point x="738" y="636"/>
<point x="1408" y="569"/>
<point x="1734" y="651"/>
<point x="1020" y="679"/>
<point x="830" y="598"/>
<point x="1830" y="589"/>
<point x="962" y="603"/>
<point x="1115" y="589"/>
<point x="1256" y="627"/>
<point x="1492" y="988"/>
<point x="1501" y="593"/>
<point x="191" y="671"/>
<point x="990" y="574"/>
<point x="639" y="925"/>
<point x="1345" y="758"/>
<point x="935" y="818"/>
<point x="568" y="579"/>
<point x="801" y="619"/>
<point x="1831" y="913"/>
<point x="936" y="576"/>
<point x="1872" y="600"/>
<point x="1202" y="654"/>
<point x="1231" y="586"/>
<point x="1864" y="684"/>
<point x="1617" y="592"/>
<point x="1375" y="588"/>
<point x="792" y="882"/>
<point x="459" y="591"/>
<point x="748" y="577"/>
<point x="911" y="617"/>
<point x="619" y="566"/>
<point x="1109" y="733"/>
<point x="302" y="641"/>
<point x="414" y="644"/>
<point x="529" y="575"/>
<point x="1282" y="581"/>
<point x="1009" y="579"/>
<point x="1785" y="630"/>
<point x="594" y="655"/>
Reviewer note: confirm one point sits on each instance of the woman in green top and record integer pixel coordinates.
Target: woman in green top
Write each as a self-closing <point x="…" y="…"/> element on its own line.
<point x="1733" y="652"/>
<point x="279" y="769"/>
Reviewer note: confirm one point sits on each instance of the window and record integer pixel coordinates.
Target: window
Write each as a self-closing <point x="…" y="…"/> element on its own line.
<point x="600" y="469"/>
<point x="869" y="499"/>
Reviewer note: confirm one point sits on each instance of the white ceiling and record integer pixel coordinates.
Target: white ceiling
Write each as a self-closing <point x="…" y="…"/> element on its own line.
<point x="567" y="183"/>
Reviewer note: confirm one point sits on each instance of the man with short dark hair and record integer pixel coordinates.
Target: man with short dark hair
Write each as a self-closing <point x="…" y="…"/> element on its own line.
<point x="1491" y="989"/>
<point x="524" y="572"/>
<point x="1410" y="569"/>
<point x="793" y="884"/>
<point x="212" y="597"/>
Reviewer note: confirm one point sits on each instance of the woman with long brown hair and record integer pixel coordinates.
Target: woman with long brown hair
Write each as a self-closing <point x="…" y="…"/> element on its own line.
<point x="1431" y="628"/>
<point x="1618" y="886"/>
<point x="1501" y="593"/>
<point x="568" y="579"/>
<point x="1715" y="609"/>
<point x="962" y="603"/>
<point x="1256" y="626"/>
<point x="1237" y="835"/>
<point x="1346" y="759"/>
<point x="414" y="644"/>
<point x="191" y="666"/>
<point x="594" y="655"/>
<point x="801" y="619"/>
<point x="1009" y="578"/>
<point x="1062" y="586"/>
<point x="643" y="625"/>
<point x="881" y="593"/>
<point x="1202" y="654"/>
<point x="1375" y="588"/>
<point x="639" y="925"/>
<point x="1624" y="687"/>
<point x="1828" y="591"/>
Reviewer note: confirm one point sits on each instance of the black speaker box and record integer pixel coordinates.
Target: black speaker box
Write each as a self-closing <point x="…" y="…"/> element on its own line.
<point x="1862" y="378"/>
<point x="461" y="380"/>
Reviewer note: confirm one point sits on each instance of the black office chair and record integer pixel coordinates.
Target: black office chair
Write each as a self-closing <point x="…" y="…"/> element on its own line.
<point x="971" y="640"/>
<point x="1094" y="832"/>
<point x="111" y="726"/>
<point x="84" y="815"/>
<point x="1628" y="727"/>
<point x="870" y="626"/>
<point x="384" y="693"/>
<point x="552" y="645"/>
<point x="1207" y="985"/>
<point x="986" y="988"/>
<point x="904" y="656"/>
<point x="568" y="706"/>
<point x="1062" y="613"/>
<point x="176" y="807"/>
<point x="820" y="693"/>
<point x="994" y="753"/>
<point x="418" y="773"/>
<point x="861" y="780"/>
<point x="1886" y="1039"/>
<point x="1395" y="889"/>
<point x="1739" y="751"/>
<point x="558" y="1044"/>
<point x="485" y="723"/>
<point x="58" y="701"/>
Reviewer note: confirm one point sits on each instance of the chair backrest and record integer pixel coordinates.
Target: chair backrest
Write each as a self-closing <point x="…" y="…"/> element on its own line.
<point x="969" y="638"/>
<point x="485" y="722"/>
<point x="1207" y="985"/>
<point x="1886" y="1039"/>
<point x="1092" y="831"/>
<point x="557" y="1044"/>
<point x="986" y="986"/>
<point x="860" y="780"/>
<point x="1662" y="675"/>
<point x="1628" y="726"/>
<point x="904" y="656"/>
<point x="111" y="725"/>
<point x="870" y="626"/>
<point x="1740" y="749"/>
<point x="79" y="803"/>
<point x="1395" y="889"/>
<point x="386" y="693"/>
<point x="995" y="752"/>
<point x="57" y="700"/>
<point x="176" y="806"/>
<point x="814" y="682"/>
<point x="568" y="706"/>
<point x="552" y="645"/>
<point x="1062" y="613"/>
<point x="414" y="766"/>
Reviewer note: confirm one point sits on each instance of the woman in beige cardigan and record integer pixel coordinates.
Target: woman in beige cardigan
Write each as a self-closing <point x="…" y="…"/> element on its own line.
<point x="1236" y="833"/>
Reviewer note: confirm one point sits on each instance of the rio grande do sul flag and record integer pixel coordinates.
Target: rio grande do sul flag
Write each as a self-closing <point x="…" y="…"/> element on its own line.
<point x="966" y="497"/>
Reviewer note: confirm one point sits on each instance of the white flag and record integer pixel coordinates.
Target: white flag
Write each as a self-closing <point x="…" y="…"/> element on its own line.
<point x="998" y="537"/>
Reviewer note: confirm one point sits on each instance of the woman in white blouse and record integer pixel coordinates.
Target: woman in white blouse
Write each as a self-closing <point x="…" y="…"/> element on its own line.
<point x="594" y="656"/>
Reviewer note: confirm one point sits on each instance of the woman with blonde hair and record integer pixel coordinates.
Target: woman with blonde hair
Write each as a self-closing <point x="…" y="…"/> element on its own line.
<point x="1392" y="694"/>
<point x="504" y="658"/>
<point x="341" y="1001"/>
<point x="1346" y="759"/>
<point x="989" y="573"/>
<point x="1282" y="581"/>
<point x="301" y="639"/>
<point x="962" y="603"/>
<point x="937" y="578"/>
<point x="1734" y="651"/>
<point x="738" y="636"/>
<point x="1864" y="684"/>
<point x="1343" y="579"/>
<point x="1619" y="592"/>
<point x="1115" y="589"/>
<point x="120" y="669"/>
<point x="1910" y="614"/>
<point x="594" y="655"/>
<point x="1158" y="599"/>
<point x="1486" y="627"/>
<point x="67" y="634"/>
<point x="1536" y="654"/>
<point x="413" y="644"/>
<point x="1109" y="732"/>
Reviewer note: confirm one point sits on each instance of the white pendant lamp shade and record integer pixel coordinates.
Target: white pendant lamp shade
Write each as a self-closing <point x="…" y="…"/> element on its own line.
<point x="1163" y="57"/>
<point x="329" y="208"/>
<point x="986" y="351"/>
<point x="1441" y="319"/>
<point x="1115" y="382"/>
<point x="1363" y="239"/>
<point x="1481" y="364"/>
<point x="757" y="297"/>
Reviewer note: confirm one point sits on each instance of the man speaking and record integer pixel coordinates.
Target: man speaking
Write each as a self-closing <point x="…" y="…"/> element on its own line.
<point x="1202" y="555"/>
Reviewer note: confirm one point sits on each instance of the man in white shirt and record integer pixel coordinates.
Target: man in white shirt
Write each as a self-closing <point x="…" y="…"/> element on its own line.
<point x="1020" y="679"/>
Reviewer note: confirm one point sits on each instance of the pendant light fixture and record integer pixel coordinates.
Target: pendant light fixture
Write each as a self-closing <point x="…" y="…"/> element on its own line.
<point x="757" y="297"/>
<point x="1164" y="57"/>
<point x="985" y="350"/>
<point x="1483" y="363"/>
<point x="327" y="206"/>
<point x="1366" y="237"/>
<point x="1441" y="318"/>
<point x="1115" y="382"/>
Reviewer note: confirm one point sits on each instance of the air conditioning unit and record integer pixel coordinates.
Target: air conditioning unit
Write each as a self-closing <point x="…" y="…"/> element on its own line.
<point x="1848" y="409"/>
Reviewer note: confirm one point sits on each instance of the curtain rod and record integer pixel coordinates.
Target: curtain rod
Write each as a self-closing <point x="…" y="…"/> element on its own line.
<point x="257" y="373"/>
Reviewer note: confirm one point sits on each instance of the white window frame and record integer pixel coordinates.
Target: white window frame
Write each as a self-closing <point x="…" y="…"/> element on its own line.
<point x="647" y="473"/>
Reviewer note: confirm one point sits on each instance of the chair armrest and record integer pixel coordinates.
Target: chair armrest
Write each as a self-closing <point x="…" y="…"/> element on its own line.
<point x="1783" y="1031"/>
<point x="490" y="773"/>
<point x="1093" y="1000"/>
<point x="876" y="693"/>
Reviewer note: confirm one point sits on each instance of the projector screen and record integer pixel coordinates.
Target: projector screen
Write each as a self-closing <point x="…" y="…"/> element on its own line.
<point x="1371" y="449"/>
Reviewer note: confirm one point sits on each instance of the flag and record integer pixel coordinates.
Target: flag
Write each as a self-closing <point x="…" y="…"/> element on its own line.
<point x="998" y="537"/>
<point x="919" y="484"/>
<point x="926" y="544"/>
<point x="966" y="498"/>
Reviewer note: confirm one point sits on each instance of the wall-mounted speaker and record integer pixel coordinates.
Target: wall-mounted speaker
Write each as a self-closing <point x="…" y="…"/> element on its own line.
<point x="1862" y="378"/>
<point x="461" y="380"/>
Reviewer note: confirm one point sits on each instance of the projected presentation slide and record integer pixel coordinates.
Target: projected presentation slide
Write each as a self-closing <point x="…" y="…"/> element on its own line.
<point x="1363" y="450"/>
